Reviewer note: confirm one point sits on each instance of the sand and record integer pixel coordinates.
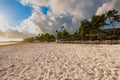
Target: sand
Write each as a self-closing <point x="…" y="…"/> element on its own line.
<point x="52" y="61"/>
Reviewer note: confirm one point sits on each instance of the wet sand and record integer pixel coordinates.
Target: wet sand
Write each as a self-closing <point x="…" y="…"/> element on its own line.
<point x="51" y="61"/>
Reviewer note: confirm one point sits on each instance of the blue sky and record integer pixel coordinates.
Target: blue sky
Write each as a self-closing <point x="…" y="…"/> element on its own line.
<point x="16" y="11"/>
<point x="45" y="9"/>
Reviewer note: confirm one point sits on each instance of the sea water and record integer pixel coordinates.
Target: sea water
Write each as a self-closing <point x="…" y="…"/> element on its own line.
<point x="7" y="43"/>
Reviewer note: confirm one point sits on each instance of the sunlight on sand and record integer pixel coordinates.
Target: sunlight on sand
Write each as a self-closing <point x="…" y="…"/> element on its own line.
<point x="51" y="61"/>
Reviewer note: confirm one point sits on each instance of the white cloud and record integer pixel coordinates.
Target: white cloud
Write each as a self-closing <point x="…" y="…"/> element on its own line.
<point x="62" y="11"/>
<point x="106" y="7"/>
<point x="68" y="12"/>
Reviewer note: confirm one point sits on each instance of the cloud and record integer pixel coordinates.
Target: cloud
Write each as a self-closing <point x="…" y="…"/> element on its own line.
<point x="62" y="12"/>
<point x="114" y="4"/>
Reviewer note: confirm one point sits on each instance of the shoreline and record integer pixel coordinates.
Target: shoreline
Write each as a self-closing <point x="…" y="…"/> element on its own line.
<point x="11" y="44"/>
<point x="78" y="43"/>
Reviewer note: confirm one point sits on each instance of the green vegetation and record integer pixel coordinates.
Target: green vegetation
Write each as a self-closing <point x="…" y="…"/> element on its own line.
<point x="64" y="35"/>
<point x="113" y="18"/>
<point x="45" y="37"/>
<point x="89" y="30"/>
<point x="41" y="38"/>
<point x="30" y="39"/>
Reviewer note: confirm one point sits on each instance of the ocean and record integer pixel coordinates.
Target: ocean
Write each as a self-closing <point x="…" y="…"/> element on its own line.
<point x="7" y="43"/>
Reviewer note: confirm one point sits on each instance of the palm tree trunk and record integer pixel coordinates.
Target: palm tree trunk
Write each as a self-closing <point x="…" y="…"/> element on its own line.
<point x="99" y="36"/>
<point x="82" y="38"/>
<point x="90" y="37"/>
<point x="113" y="29"/>
<point x="113" y="32"/>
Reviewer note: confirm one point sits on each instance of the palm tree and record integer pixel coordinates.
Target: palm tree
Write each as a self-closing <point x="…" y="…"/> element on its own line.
<point x="59" y="35"/>
<point x="95" y="24"/>
<point x="83" y="28"/>
<point x="101" y="23"/>
<point x="76" y="36"/>
<point x="65" y="35"/>
<point x="113" y="17"/>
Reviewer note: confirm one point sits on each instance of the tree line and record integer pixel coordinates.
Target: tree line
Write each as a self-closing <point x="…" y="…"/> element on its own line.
<point x="89" y="30"/>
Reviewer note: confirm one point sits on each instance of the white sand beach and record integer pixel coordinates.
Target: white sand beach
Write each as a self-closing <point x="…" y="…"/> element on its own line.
<point x="51" y="61"/>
